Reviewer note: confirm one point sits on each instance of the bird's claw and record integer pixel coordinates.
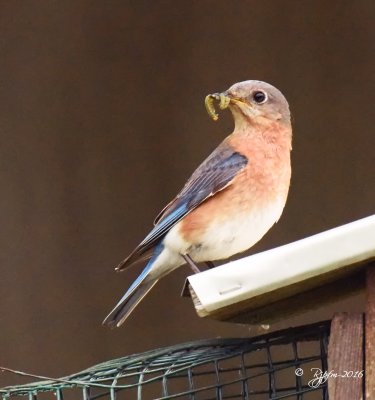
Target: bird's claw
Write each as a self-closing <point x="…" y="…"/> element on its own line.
<point x="223" y="100"/>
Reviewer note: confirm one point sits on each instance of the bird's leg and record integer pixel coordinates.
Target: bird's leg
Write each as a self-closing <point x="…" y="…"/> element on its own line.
<point x="191" y="263"/>
<point x="210" y="264"/>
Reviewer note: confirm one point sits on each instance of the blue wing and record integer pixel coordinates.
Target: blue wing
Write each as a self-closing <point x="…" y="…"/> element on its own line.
<point x="212" y="176"/>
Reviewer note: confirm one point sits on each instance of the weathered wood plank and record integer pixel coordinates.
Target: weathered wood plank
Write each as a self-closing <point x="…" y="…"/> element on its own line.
<point x="370" y="332"/>
<point x="345" y="357"/>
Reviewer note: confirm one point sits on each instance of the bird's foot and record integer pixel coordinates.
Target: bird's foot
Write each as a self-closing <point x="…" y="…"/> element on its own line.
<point x="191" y="263"/>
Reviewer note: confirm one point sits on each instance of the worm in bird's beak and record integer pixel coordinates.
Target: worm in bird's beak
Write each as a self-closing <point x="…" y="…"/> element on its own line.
<point x="224" y="99"/>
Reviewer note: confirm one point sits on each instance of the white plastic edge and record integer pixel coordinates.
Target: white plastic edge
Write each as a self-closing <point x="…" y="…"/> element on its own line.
<point x="294" y="262"/>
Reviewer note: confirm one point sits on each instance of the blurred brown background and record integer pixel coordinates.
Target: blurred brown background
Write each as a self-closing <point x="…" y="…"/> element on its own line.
<point x="102" y="120"/>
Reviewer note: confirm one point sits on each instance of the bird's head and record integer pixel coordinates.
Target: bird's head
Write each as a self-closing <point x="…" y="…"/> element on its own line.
<point x="251" y="101"/>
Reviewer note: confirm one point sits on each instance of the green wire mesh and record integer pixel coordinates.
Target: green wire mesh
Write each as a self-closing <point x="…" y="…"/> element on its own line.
<point x="256" y="368"/>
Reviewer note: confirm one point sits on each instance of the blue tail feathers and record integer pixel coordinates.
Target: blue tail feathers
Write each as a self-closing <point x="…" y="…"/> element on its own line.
<point x="139" y="288"/>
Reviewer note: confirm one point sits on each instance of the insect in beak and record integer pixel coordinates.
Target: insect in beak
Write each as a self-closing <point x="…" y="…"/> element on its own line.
<point x="223" y="100"/>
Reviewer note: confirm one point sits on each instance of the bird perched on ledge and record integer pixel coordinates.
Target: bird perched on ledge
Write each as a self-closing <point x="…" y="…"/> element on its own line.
<point x="231" y="200"/>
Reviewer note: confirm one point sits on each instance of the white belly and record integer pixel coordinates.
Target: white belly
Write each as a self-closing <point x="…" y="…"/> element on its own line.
<point x="229" y="237"/>
<point x="237" y="234"/>
<point x="220" y="241"/>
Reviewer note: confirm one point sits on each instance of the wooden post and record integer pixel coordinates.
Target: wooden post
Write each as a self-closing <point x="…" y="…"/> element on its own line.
<point x="345" y="357"/>
<point x="370" y="333"/>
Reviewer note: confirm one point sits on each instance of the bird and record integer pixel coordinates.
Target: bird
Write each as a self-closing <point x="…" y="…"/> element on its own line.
<point x="231" y="200"/>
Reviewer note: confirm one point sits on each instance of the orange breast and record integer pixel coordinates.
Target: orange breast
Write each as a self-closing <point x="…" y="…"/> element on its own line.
<point x="265" y="179"/>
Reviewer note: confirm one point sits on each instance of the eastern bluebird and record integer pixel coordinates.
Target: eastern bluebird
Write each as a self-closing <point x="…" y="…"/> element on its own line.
<point x="231" y="200"/>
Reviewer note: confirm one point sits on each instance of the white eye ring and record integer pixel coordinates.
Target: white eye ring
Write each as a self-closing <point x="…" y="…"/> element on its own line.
<point x="259" y="97"/>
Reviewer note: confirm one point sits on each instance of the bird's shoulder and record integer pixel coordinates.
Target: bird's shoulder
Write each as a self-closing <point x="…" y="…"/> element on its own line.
<point x="211" y="176"/>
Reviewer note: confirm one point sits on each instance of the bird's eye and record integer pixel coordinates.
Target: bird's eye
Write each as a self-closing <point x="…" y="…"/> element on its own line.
<point x="259" y="97"/>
